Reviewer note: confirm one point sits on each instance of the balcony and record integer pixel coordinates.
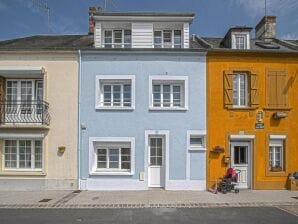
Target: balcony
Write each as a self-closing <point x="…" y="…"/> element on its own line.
<point x="24" y="112"/>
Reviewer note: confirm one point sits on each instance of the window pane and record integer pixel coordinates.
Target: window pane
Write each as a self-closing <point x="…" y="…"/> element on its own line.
<point x="24" y="154"/>
<point x="177" y="96"/>
<point x="127" y="95"/>
<point x="127" y="38"/>
<point x="239" y="90"/>
<point x="156" y="95"/>
<point x="107" y="95"/>
<point x="125" y="158"/>
<point x="108" y="39"/>
<point x="38" y="154"/>
<point x="117" y="38"/>
<point x="113" y="158"/>
<point x="101" y="158"/>
<point x="116" y="95"/>
<point x="167" y="38"/>
<point x="10" y="153"/>
<point x="166" y="95"/>
<point x="157" y="39"/>
<point x="196" y="140"/>
<point x="177" y="39"/>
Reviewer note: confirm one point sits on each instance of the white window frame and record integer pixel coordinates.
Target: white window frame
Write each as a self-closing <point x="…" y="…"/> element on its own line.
<point x="113" y="37"/>
<point x="277" y="141"/>
<point x="170" y="79"/>
<point x="33" y="169"/>
<point x="247" y="40"/>
<point x="172" y="38"/>
<point x="93" y="170"/>
<point x="196" y="133"/>
<point x="238" y="105"/>
<point x="113" y="79"/>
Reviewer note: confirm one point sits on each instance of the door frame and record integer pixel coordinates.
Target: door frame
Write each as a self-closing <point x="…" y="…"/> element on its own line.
<point x="165" y="134"/>
<point x="249" y="139"/>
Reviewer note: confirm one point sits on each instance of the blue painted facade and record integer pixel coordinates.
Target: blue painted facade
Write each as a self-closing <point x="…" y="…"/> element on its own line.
<point x="187" y="169"/>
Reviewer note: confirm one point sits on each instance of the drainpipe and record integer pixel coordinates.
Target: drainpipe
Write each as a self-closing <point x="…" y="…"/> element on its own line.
<point x="79" y="119"/>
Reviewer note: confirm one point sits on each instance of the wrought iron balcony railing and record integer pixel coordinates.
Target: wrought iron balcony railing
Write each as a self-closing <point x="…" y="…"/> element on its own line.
<point x="24" y="112"/>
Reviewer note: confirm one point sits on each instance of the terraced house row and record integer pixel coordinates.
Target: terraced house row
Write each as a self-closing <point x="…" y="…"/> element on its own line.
<point x="140" y="103"/>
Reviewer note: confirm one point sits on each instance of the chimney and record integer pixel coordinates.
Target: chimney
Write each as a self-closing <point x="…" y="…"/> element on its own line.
<point x="266" y="28"/>
<point x="92" y="10"/>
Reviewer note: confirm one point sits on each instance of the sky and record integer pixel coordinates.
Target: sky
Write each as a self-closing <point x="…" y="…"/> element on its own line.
<point x="20" y="18"/>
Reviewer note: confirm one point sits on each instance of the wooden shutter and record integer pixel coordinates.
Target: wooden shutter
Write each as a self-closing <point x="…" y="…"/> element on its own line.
<point x="2" y="98"/>
<point x="254" y="89"/>
<point x="276" y="89"/>
<point x="2" y="88"/>
<point x="228" y="88"/>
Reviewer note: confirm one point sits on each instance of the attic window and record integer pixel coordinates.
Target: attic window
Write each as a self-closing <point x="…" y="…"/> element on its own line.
<point x="241" y="41"/>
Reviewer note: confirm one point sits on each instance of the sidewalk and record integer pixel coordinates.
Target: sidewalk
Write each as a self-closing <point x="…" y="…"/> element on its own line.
<point x="144" y="199"/>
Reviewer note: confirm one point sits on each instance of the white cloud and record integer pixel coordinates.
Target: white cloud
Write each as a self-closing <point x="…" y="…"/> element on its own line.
<point x="290" y="36"/>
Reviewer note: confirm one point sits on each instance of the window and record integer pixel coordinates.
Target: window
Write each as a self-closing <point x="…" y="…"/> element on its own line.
<point x="196" y="140"/>
<point x="117" y="38"/>
<point x="115" y="92"/>
<point x="112" y="156"/>
<point x="240" y="89"/>
<point x="276" y="155"/>
<point x="240" y="155"/>
<point x="240" y="41"/>
<point x="23" y="154"/>
<point x="168" y="94"/>
<point x="276" y="89"/>
<point x="167" y="39"/>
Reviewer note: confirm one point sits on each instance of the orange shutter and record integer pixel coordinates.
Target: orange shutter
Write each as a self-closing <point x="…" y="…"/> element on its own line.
<point x="228" y="88"/>
<point x="254" y="89"/>
<point x="276" y="89"/>
<point x="282" y="90"/>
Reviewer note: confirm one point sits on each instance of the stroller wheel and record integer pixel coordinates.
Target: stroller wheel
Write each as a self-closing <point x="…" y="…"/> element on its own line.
<point x="224" y="191"/>
<point x="236" y="191"/>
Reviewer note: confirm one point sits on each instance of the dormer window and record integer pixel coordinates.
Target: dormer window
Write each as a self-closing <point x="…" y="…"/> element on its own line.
<point x="167" y="39"/>
<point x="241" y="41"/>
<point x="117" y="38"/>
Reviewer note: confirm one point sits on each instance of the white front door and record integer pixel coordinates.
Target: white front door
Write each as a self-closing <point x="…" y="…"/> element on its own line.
<point x="156" y="174"/>
<point x="240" y="160"/>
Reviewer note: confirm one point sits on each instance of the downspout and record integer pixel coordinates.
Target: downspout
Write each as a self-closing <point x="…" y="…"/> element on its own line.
<point x="79" y="119"/>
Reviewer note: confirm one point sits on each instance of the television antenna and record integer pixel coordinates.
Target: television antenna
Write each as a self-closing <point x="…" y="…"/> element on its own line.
<point x="106" y="2"/>
<point x="43" y="6"/>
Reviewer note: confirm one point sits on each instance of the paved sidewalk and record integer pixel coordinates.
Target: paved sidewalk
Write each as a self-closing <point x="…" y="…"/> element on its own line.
<point x="145" y="199"/>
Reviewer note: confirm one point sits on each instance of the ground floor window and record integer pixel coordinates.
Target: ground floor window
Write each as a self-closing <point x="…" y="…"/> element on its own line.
<point x="112" y="155"/>
<point x="276" y="155"/>
<point x="23" y="154"/>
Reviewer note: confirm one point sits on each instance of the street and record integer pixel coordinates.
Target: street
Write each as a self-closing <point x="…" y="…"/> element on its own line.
<point x="229" y="215"/>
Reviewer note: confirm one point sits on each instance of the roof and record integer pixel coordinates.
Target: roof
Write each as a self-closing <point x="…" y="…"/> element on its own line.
<point x="278" y="45"/>
<point x="48" y="42"/>
<point x="86" y="42"/>
<point x="144" y="14"/>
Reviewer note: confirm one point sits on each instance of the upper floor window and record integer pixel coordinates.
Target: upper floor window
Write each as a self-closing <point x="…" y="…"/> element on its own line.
<point x="240" y="41"/>
<point x="168" y="93"/>
<point x="115" y="92"/>
<point x="277" y="89"/>
<point x="117" y="38"/>
<point x="240" y="89"/>
<point x="167" y="39"/>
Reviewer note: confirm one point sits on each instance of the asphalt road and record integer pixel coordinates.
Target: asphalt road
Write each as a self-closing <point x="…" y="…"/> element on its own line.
<point x="149" y="215"/>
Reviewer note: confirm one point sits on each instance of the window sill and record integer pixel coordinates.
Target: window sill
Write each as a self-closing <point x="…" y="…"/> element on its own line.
<point x="105" y="173"/>
<point x="276" y="174"/>
<point x="197" y="149"/>
<point x="22" y="173"/>
<point x="241" y="108"/>
<point x="168" y="109"/>
<point x="114" y="108"/>
<point x="278" y="108"/>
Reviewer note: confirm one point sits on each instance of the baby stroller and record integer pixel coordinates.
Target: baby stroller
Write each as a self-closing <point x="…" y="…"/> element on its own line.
<point x="229" y="181"/>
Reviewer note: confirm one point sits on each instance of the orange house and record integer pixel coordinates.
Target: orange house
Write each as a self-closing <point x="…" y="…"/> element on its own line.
<point x="252" y="106"/>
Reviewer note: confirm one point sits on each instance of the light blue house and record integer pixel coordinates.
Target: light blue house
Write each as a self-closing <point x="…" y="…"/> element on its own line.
<point x="142" y="104"/>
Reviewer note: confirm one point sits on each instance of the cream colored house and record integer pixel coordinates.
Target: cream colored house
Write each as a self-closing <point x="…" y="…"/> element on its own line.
<point x="38" y="113"/>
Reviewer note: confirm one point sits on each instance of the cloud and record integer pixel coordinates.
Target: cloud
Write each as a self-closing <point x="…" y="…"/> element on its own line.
<point x="290" y="36"/>
<point x="256" y="8"/>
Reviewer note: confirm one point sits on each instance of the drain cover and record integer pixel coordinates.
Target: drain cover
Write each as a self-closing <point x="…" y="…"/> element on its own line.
<point x="76" y="192"/>
<point x="295" y="198"/>
<point x="45" y="200"/>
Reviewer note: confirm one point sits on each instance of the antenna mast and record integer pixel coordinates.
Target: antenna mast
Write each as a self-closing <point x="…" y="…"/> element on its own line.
<point x="106" y="2"/>
<point x="265" y="7"/>
<point x="43" y="6"/>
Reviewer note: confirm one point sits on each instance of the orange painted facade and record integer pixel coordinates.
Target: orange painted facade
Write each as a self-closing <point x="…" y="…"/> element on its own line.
<point x="223" y="121"/>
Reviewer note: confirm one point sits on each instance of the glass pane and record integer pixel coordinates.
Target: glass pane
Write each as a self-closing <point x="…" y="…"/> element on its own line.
<point x="107" y="95"/>
<point x="159" y="161"/>
<point x="113" y="158"/>
<point x="108" y="39"/>
<point x="117" y="38"/>
<point x="127" y="95"/>
<point x="240" y="155"/>
<point x="235" y="90"/>
<point x="114" y="164"/>
<point x="10" y="154"/>
<point x="177" y="95"/>
<point x="167" y="38"/>
<point x="38" y="154"/>
<point x="166" y="95"/>
<point x="125" y="165"/>
<point x="153" y="161"/>
<point x="196" y="141"/>
<point x="156" y="95"/>
<point x="127" y="38"/>
<point x="153" y="151"/>
<point x="116" y="95"/>
<point x="177" y="39"/>
<point x="157" y="39"/>
<point x="101" y="165"/>
<point x="24" y="154"/>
